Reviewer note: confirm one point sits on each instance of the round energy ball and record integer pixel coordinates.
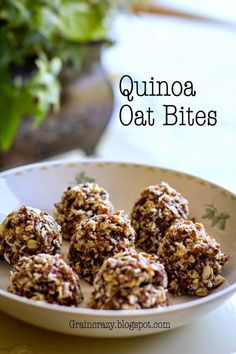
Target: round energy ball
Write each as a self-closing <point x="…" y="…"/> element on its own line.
<point x="44" y="277"/>
<point x="80" y="202"/>
<point x="29" y="231"/>
<point x="98" y="238"/>
<point x="154" y="212"/>
<point x="130" y="281"/>
<point x="193" y="259"/>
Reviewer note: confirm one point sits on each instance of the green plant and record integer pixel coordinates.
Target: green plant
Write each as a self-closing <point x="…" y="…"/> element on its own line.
<point x="44" y="35"/>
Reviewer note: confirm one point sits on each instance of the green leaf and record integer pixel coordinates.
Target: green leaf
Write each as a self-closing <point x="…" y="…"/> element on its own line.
<point x="44" y="87"/>
<point x="83" y="178"/>
<point x="14" y="105"/>
<point x="209" y="214"/>
<point x="216" y="218"/>
<point x="31" y="98"/>
<point x="224" y="216"/>
<point x="222" y="224"/>
<point x="214" y="221"/>
<point x="81" y="21"/>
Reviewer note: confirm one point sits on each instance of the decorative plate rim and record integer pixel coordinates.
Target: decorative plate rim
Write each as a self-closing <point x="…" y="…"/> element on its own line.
<point x="56" y="163"/>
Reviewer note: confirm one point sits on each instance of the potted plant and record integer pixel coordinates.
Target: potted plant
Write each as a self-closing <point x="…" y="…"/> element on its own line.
<point x="50" y="68"/>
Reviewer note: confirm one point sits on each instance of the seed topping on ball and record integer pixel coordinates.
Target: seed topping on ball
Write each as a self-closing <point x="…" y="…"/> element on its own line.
<point x="78" y="203"/>
<point x="193" y="259"/>
<point x="130" y="280"/>
<point x="29" y="231"/>
<point x="154" y="212"/>
<point x="44" y="277"/>
<point x="98" y="238"/>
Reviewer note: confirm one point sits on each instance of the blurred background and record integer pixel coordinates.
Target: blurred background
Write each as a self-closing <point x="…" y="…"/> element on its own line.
<point x="76" y="55"/>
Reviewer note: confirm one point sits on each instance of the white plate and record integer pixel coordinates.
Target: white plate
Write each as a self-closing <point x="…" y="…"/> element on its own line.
<point x="41" y="185"/>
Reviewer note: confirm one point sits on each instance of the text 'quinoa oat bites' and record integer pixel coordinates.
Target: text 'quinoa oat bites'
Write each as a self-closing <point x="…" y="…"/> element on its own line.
<point x="193" y="259"/>
<point x="154" y="212"/>
<point x="44" y="277"/>
<point x="29" y="231"/>
<point x="98" y="238"/>
<point x="130" y="280"/>
<point x="80" y="202"/>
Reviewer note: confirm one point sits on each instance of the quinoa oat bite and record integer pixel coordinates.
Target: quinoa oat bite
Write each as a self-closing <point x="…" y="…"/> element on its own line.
<point x="154" y="212"/>
<point x="80" y="202"/>
<point x="193" y="259"/>
<point x="98" y="238"/>
<point x="29" y="231"/>
<point x="130" y="281"/>
<point x="44" y="277"/>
